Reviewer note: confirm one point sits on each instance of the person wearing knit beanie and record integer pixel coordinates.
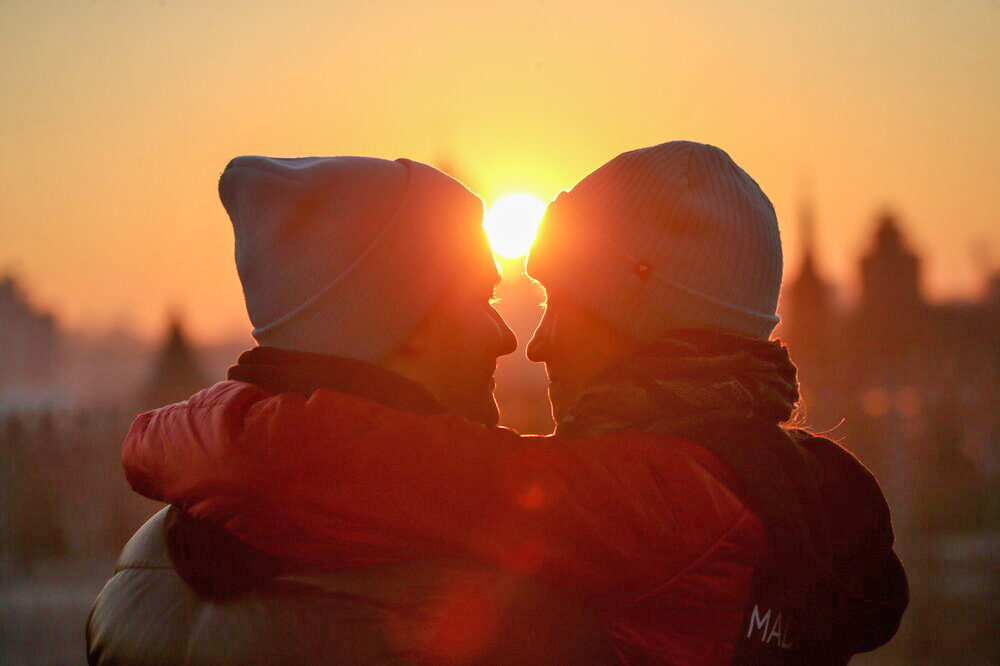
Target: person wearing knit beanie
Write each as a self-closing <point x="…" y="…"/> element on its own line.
<point x="662" y="270"/>
<point x="665" y="238"/>
<point x="377" y="261"/>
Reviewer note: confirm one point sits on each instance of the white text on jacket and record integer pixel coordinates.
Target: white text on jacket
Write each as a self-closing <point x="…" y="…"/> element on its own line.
<point x="775" y="629"/>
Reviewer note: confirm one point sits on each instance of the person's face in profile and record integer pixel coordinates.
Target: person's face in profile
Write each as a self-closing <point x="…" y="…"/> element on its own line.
<point x="454" y="351"/>
<point x="575" y="345"/>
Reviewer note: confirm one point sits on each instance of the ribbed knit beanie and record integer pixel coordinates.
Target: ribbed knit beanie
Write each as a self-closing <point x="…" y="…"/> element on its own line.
<point x="346" y="255"/>
<point x="662" y="238"/>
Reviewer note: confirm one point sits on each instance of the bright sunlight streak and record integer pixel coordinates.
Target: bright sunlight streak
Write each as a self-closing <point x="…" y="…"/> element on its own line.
<point x="511" y="224"/>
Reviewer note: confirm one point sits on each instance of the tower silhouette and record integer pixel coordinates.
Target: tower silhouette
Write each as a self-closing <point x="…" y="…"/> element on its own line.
<point x="176" y="373"/>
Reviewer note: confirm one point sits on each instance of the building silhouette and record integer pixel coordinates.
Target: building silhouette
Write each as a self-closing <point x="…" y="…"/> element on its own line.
<point x="176" y="373"/>
<point x="910" y="387"/>
<point x="29" y="346"/>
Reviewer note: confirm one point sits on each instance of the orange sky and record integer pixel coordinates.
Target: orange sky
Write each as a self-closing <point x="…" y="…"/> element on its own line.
<point x="117" y="118"/>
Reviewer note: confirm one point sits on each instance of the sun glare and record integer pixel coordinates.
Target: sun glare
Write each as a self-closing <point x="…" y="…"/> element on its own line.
<point x="511" y="224"/>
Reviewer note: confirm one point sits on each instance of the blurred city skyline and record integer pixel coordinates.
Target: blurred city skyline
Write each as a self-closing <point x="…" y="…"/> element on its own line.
<point x="118" y="118"/>
<point x="49" y="364"/>
<point x="123" y="334"/>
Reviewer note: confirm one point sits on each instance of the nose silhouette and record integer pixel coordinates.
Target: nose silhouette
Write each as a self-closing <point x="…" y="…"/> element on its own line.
<point x="538" y="346"/>
<point x="508" y="341"/>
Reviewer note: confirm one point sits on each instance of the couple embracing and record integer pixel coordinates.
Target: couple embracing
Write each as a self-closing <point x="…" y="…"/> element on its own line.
<point x="346" y="496"/>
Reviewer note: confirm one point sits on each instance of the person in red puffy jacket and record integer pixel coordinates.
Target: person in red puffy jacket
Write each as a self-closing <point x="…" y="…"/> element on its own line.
<point x="671" y="512"/>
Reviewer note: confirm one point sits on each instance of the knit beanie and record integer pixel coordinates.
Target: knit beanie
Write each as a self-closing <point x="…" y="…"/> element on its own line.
<point x="346" y="255"/>
<point x="666" y="237"/>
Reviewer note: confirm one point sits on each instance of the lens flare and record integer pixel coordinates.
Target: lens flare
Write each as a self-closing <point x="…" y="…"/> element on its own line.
<point x="511" y="224"/>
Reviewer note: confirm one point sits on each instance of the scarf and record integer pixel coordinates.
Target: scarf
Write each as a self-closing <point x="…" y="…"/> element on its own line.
<point x="286" y="371"/>
<point x="690" y="377"/>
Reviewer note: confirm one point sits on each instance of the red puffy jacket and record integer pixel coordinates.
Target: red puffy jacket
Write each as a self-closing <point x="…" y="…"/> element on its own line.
<point x="640" y="527"/>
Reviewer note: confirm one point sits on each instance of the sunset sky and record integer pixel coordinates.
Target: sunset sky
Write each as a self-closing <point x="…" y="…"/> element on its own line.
<point x="117" y="118"/>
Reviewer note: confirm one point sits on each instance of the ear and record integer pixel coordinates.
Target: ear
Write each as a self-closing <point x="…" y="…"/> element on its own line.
<point x="416" y="344"/>
<point x="406" y="359"/>
<point x="419" y="341"/>
<point x="412" y="356"/>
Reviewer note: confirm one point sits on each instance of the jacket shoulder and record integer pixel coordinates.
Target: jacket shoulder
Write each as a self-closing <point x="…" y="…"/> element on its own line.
<point x="147" y="548"/>
<point x="147" y="614"/>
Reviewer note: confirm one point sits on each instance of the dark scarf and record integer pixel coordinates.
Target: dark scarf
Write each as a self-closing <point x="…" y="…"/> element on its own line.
<point x="689" y="377"/>
<point x="285" y="371"/>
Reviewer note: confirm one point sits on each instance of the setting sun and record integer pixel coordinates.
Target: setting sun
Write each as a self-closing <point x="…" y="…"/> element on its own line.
<point x="511" y="224"/>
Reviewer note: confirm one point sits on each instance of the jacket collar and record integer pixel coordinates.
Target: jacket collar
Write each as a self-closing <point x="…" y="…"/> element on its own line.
<point x="286" y="371"/>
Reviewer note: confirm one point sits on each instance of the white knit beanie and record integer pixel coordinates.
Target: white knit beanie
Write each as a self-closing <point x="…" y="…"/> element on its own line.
<point x="346" y="255"/>
<point x="662" y="238"/>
